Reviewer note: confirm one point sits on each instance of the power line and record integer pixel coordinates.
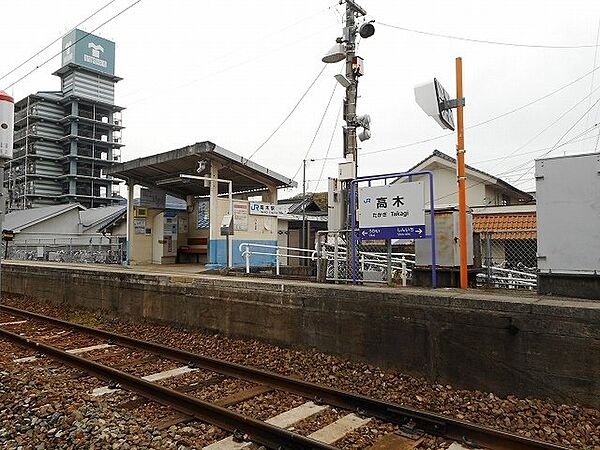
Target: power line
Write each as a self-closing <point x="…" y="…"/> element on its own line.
<point x="519" y="108"/>
<point x="337" y="119"/>
<point x="558" y="119"/>
<point x="565" y="133"/>
<point x="290" y="113"/>
<point x="55" y="41"/>
<point x="82" y="37"/>
<point x="593" y="65"/>
<point x="317" y="130"/>
<point x="519" y="166"/>
<point x="252" y="59"/>
<point x="513" y="172"/>
<point x="483" y="41"/>
<point x="537" y="150"/>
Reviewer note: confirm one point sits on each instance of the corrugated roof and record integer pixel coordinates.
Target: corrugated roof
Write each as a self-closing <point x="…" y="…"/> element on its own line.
<point x="21" y="219"/>
<point x="507" y="226"/>
<point x="95" y="219"/>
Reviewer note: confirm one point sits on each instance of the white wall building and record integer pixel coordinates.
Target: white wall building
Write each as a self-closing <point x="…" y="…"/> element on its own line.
<point x="483" y="189"/>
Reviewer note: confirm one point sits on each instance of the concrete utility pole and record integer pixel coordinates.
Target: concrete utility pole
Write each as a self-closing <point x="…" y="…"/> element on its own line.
<point x="351" y="145"/>
<point x="345" y="49"/>
<point x="303" y="205"/>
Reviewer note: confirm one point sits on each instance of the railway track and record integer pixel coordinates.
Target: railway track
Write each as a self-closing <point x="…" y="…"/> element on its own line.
<point x="271" y="433"/>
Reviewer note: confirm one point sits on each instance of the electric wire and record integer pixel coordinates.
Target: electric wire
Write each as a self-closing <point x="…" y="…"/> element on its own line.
<point x="290" y="113"/>
<point x="555" y="146"/>
<point x="509" y="173"/>
<point x="317" y="130"/>
<point x="554" y="122"/>
<point x="483" y="41"/>
<point x="252" y="59"/>
<point x="82" y="37"/>
<point x="593" y="65"/>
<point x="565" y="133"/>
<point x="513" y="170"/>
<point x="55" y="41"/>
<point x="527" y="163"/>
<point x="537" y="150"/>
<point x="337" y="120"/>
<point x="597" y="116"/>
<point x="519" y="108"/>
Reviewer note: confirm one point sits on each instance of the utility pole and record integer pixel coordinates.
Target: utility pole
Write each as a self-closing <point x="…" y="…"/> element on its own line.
<point x="345" y="50"/>
<point x="461" y="179"/>
<point x="304" y="204"/>
<point x="351" y="145"/>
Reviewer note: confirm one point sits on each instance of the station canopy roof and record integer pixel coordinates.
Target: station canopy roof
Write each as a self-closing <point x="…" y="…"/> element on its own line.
<point x="162" y="171"/>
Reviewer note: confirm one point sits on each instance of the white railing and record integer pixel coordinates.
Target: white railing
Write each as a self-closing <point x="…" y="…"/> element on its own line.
<point x="507" y="278"/>
<point x="332" y="246"/>
<point x="403" y="262"/>
<point x="378" y="261"/>
<point x="336" y="255"/>
<point x="248" y="249"/>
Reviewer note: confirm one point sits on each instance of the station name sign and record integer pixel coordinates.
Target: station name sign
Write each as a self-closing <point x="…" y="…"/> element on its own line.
<point x="393" y="211"/>
<point x="267" y="209"/>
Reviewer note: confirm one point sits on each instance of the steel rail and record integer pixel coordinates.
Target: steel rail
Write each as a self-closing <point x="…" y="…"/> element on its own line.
<point x="430" y="423"/>
<point x="256" y="430"/>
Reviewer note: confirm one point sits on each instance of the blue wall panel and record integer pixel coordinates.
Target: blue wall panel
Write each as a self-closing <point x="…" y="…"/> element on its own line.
<point x="255" y="260"/>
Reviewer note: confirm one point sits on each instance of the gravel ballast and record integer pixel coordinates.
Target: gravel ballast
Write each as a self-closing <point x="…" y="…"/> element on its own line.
<point x="73" y="419"/>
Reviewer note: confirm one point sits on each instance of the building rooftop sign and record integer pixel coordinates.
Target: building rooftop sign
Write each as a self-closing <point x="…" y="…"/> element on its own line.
<point x="88" y="51"/>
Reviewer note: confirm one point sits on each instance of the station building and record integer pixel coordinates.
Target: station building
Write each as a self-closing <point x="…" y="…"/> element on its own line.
<point x="212" y="227"/>
<point x="65" y="140"/>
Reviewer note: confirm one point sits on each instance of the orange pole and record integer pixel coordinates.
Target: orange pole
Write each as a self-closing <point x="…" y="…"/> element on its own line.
<point x="461" y="179"/>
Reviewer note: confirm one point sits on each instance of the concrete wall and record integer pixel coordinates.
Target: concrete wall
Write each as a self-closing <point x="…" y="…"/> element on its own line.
<point x="528" y="346"/>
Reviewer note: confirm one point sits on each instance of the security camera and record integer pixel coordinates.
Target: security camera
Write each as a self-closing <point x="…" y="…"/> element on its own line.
<point x="201" y="167"/>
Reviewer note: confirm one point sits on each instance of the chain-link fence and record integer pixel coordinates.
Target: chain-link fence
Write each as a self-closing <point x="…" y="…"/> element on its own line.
<point x="94" y="251"/>
<point x="376" y="261"/>
<point x="508" y="259"/>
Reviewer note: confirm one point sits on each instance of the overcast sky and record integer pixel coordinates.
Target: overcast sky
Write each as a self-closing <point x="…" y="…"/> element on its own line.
<point x="229" y="71"/>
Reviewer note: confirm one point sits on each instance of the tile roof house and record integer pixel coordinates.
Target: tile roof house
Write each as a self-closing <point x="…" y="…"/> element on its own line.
<point x="506" y="222"/>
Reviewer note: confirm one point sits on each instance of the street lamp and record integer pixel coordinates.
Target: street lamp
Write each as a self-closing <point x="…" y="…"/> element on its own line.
<point x="335" y="54"/>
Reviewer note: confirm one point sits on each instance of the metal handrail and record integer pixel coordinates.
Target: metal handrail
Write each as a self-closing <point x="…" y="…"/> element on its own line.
<point x="508" y="277"/>
<point x="397" y="260"/>
<point x="246" y="250"/>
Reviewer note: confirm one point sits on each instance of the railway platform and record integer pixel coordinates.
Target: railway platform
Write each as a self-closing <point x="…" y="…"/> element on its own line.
<point x="504" y="342"/>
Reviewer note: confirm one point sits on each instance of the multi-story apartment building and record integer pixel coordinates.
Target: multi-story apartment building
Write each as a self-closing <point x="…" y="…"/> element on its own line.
<point x="65" y="140"/>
